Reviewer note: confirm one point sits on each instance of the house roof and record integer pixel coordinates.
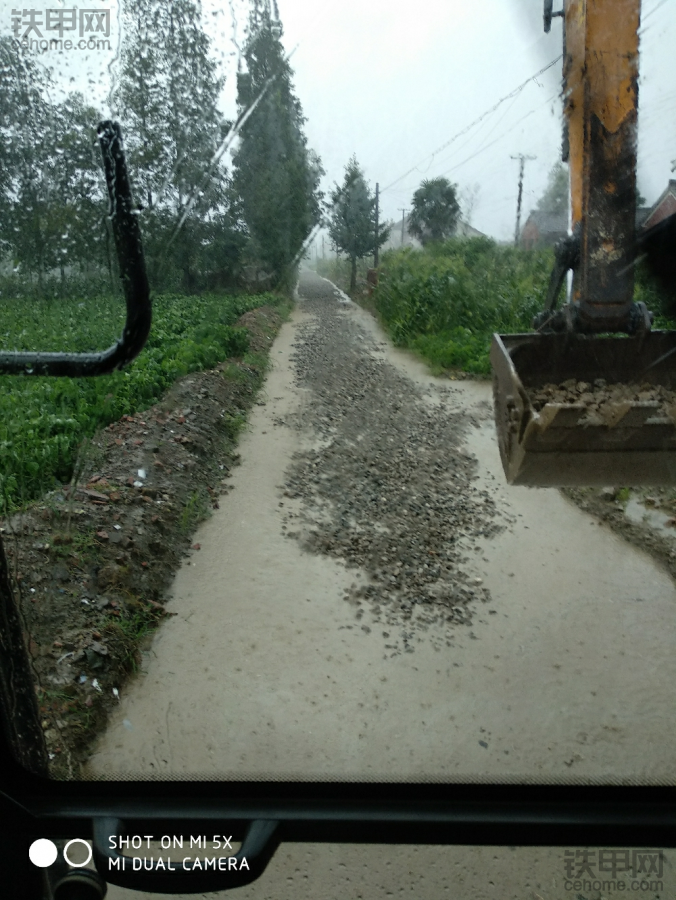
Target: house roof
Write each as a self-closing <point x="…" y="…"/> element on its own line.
<point x="548" y="222"/>
<point x="554" y="223"/>
<point x="668" y="194"/>
<point x="642" y="213"/>
<point x="464" y="229"/>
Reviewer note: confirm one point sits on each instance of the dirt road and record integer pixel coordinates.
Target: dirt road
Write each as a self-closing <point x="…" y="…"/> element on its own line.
<point x="372" y="601"/>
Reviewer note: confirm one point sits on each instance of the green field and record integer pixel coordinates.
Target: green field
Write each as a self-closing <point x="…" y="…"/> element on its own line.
<point x="44" y="420"/>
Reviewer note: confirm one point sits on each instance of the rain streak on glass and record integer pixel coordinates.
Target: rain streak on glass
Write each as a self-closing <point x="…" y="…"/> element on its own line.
<point x="288" y="516"/>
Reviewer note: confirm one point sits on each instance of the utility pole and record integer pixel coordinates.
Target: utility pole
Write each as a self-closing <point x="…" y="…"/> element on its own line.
<point x="522" y="164"/>
<point x="323" y="252"/>
<point x="403" y="219"/>
<point x="375" y="252"/>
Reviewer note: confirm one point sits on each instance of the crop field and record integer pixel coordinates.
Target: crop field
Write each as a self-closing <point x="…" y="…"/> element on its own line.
<point x="43" y="421"/>
<point x="447" y="300"/>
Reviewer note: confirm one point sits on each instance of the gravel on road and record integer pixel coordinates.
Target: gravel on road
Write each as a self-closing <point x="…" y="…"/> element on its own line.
<point x="386" y="486"/>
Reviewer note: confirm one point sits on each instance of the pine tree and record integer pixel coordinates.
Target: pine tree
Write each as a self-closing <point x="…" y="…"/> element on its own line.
<point x="352" y="221"/>
<point x="276" y="176"/>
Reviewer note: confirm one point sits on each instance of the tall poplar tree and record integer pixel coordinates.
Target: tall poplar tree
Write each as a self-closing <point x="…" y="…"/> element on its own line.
<point x="51" y="189"/>
<point x="25" y="189"/>
<point x="168" y="104"/>
<point x="275" y="174"/>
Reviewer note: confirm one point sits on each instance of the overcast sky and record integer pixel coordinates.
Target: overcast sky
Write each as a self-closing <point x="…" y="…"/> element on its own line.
<point x="392" y="81"/>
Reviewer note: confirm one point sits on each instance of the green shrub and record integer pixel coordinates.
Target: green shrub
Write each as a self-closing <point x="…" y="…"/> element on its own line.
<point x="447" y="300"/>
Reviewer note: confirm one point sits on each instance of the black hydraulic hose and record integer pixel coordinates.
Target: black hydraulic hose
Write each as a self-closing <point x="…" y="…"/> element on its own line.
<point x="127" y="234"/>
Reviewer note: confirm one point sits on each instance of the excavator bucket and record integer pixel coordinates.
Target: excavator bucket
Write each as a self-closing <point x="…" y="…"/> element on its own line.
<point x="573" y="404"/>
<point x="577" y="410"/>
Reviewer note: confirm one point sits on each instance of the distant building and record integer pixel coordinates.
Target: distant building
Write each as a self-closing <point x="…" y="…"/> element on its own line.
<point x="665" y="206"/>
<point x="464" y="229"/>
<point x="543" y="229"/>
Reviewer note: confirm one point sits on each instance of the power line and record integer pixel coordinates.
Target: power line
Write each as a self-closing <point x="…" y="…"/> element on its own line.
<point x="488" y="112"/>
<point x="653" y="10"/>
<point x="498" y="138"/>
<point x="491" y="131"/>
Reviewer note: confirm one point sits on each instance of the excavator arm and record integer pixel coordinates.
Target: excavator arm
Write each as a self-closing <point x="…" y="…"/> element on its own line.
<point x="587" y="399"/>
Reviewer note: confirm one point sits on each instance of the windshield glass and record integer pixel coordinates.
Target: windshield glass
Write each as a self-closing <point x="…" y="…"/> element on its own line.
<point x="280" y="543"/>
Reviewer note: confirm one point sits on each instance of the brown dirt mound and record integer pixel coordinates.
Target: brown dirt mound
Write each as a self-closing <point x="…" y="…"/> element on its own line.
<point x="604" y="399"/>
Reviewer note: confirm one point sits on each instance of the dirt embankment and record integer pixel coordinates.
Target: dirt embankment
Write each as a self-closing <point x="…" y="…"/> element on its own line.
<point x="644" y="516"/>
<point x="91" y="562"/>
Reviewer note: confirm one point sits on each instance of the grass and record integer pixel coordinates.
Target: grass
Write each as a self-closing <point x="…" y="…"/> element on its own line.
<point x="43" y="421"/>
<point x="446" y="301"/>
<point x="233" y="373"/>
<point x="66" y="544"/>
<point x="194" y="511"/>
<point x="128" y="634"/>
<point x="233" y="424"/>
<point x="258" y="361"/>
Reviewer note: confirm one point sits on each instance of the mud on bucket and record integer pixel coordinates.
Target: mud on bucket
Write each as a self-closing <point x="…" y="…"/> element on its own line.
<point x="575" y="410"/>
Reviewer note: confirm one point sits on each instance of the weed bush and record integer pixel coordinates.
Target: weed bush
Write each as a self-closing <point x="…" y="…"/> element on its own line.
<point x="44" y="420"/>
<point x="447" y="300"/>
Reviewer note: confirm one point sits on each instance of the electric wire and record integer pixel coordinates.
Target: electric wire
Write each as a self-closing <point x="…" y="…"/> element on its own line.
<point x="488" y="112"/>
<point x="498" y="138"/>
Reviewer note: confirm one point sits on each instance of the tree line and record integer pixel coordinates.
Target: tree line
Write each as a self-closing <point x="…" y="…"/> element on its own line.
<point x="203" y="225"/>
<point x="352" y="220"/>
<point x="434" y="217"/>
